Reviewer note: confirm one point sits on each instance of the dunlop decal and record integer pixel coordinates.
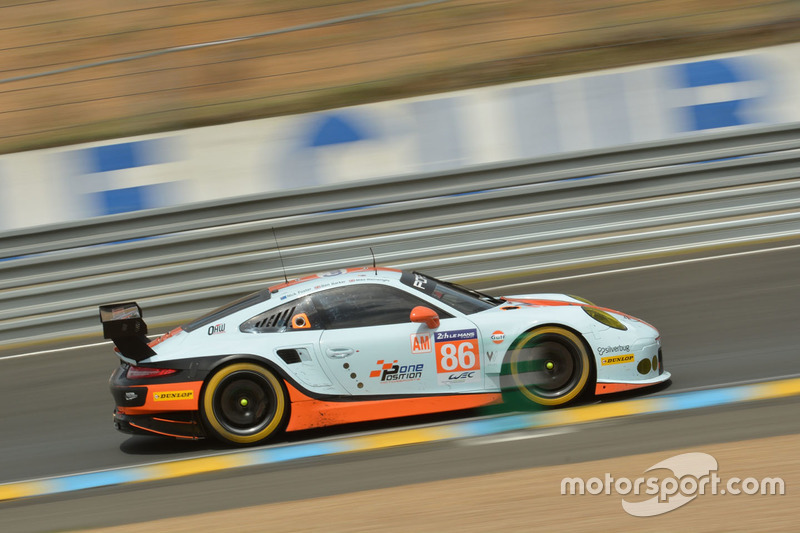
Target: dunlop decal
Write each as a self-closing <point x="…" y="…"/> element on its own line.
<point x="173" y="395"/>
<point x="617" y="359"/>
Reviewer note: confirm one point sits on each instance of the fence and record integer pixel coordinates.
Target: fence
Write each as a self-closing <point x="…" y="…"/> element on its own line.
<point x="479" y="225"/>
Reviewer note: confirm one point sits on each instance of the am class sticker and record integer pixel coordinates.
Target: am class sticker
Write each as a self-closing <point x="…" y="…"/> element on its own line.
<point x="421" y="343"/>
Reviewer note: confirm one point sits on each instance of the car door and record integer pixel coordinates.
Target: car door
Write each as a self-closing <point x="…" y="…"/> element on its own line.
<point x="290" y="333"/>
<point x="371" y="346"/>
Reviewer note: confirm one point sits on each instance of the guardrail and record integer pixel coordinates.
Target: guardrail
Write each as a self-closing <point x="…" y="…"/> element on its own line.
<point x="485" y="223"/>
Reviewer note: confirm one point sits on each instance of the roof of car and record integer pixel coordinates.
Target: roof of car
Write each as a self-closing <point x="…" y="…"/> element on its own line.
<point x="294" y="287"/>
<point x="381" y="273"/>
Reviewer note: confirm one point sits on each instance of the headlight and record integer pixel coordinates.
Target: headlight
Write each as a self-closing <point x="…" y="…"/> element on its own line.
<point x="604" y="318"/>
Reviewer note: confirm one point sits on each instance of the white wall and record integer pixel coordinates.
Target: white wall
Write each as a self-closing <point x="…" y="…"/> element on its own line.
<point x="439" y="132"/>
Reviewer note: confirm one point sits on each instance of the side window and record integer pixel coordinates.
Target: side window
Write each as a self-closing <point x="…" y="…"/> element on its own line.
<point x="294" y="316"/>
<point x="365" y="305"/>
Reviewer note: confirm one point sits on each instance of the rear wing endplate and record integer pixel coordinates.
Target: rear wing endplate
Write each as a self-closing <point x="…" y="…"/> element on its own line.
<point x="124" y="325"/>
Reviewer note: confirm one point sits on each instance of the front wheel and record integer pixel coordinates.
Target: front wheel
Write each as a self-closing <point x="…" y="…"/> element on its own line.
<point x="546" y="366"/>
<point x="244" y="404"/>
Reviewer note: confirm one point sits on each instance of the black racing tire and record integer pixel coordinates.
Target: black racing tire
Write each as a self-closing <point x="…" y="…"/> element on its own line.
<point x="244" y="404"/>
<point x="547" y="366"/>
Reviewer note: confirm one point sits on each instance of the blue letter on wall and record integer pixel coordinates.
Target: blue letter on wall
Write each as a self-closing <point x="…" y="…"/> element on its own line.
<point x="727" y="110"/>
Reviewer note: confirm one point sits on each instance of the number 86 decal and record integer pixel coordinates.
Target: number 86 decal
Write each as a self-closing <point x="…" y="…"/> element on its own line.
<point x="457" y="356"/>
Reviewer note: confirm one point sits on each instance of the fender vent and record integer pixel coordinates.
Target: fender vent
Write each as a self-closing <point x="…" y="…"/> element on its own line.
<point x="289" y="356"/>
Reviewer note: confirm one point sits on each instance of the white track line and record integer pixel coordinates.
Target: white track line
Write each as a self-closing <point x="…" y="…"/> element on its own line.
<point x="646" y="267"/>
<point x="56" y="350"/>
<point x="671" y="390"/>
<point x="498" y="287"/>
<point x="517" y="435"/>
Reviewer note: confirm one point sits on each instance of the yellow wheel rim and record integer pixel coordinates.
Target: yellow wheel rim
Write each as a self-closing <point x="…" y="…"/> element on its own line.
<point x="240" y="404"/>
<point x="581" y="353"/>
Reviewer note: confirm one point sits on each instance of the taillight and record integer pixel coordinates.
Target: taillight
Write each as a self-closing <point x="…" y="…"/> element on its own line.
<point x="143" y="372"/>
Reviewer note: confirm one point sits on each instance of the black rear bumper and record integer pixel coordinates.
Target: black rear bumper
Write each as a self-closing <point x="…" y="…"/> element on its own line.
<point x="182" y="425"/>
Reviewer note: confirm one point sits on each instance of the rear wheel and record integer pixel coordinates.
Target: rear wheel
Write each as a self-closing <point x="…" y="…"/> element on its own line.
<point x="244" y="404"/>
<point x="546" y="366"/>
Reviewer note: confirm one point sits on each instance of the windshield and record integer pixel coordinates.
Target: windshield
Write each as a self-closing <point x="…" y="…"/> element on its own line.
<point x="467" y="301"/>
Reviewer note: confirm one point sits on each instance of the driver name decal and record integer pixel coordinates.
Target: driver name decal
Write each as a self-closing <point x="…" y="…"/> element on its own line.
<point x="457" y="356"/>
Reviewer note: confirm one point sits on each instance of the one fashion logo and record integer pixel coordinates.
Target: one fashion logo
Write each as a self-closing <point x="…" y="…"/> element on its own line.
<point x="394" y="372"/>
<point x="601" y="350"/>
<point x="693" y="474"/>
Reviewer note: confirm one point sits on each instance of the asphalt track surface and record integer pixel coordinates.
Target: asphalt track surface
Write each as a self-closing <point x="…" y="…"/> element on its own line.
<point x="724" y="320"/>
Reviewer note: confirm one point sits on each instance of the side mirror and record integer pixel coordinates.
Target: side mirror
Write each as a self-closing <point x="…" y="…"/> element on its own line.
<point x="425" y="315"/>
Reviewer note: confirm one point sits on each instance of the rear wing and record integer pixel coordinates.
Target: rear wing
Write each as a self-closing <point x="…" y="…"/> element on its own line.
<point x="124" y="325"/>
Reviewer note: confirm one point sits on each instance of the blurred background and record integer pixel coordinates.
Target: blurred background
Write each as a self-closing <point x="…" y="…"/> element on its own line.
<point x="88" y="70"/>
<point x="641" y="153"/>
<point x="91" y="71"/>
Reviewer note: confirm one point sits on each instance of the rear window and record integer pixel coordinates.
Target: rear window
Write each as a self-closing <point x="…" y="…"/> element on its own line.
<point x="228" y="309"/>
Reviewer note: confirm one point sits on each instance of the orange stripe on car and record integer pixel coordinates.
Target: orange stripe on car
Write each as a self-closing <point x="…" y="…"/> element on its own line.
<point x="557" y="303"/>
<point x="309" y="413"/>
<point x="610" y="388"/>
<point x="167" y="397"/>
<point x="541" y="303"/>
<point x="162" y="433"/>
<point x="173" y="421"/>
<point x="165" y="336"/>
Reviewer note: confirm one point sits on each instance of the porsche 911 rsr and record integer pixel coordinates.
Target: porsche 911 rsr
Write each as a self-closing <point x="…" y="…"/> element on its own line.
<point x="367" y="344"/>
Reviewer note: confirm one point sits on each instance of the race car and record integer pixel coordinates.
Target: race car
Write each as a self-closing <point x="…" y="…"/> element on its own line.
<point x="366" y="344"/>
